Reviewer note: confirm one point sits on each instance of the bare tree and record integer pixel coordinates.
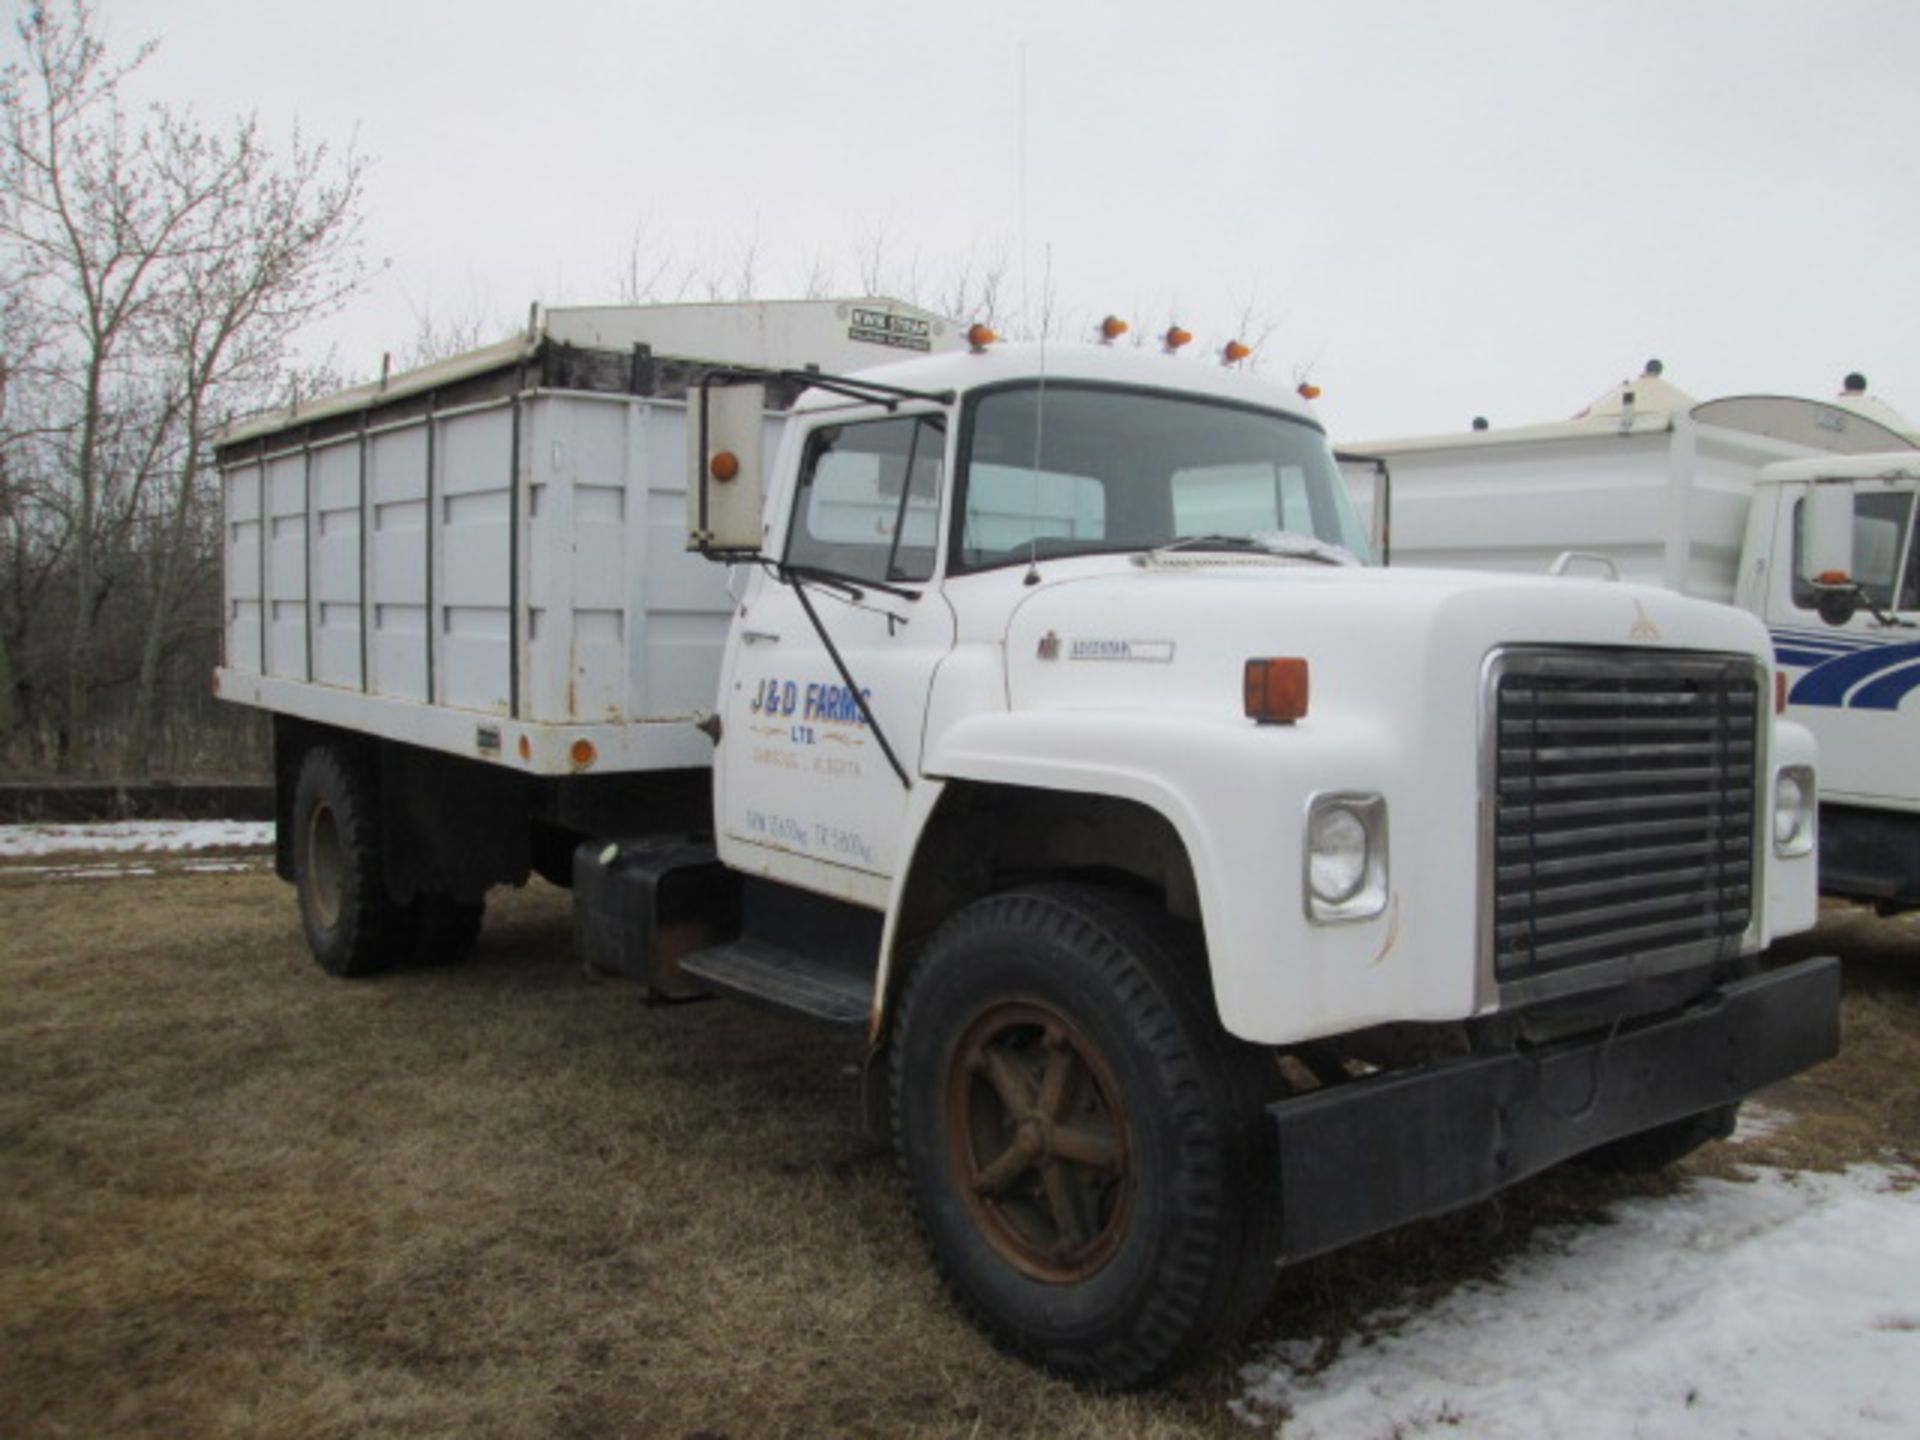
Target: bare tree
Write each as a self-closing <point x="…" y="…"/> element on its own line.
<point x="165" y="266"/>
<point x="1255" y="324"/>
<point x="649" y="273"/>
<point x="277" y="249"/>
<point x="438" y="334"/>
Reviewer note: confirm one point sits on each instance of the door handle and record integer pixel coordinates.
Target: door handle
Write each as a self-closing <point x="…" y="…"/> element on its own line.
<point x="748" y="637"/>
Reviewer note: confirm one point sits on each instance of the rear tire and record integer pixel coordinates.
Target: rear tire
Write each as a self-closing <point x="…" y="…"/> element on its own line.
<point x="353" y="926"/>
<point x="1084" y="1149"/>
<point x="445" y="929"/>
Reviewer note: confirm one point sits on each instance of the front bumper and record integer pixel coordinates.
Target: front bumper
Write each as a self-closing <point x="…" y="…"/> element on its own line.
<point x="1366" y="1157"/>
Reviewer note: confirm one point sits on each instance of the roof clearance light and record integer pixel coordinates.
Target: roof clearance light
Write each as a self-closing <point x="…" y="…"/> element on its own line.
<point x="1175" y="338"/>
<point x="1233" y="352"/>
<point x="1308" y="390"/>
<point x="981" y="336"/>
<point x="1112" y="328"/>
<point x="1276" y="690"/>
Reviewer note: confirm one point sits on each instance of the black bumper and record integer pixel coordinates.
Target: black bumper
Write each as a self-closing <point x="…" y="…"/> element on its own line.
<point x="1366" y="1157"/>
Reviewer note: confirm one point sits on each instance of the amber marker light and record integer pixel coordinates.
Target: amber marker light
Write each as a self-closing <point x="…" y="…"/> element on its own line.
<point x="1176" y="337"/>
<point x="1112" y="328"/>
<point x="1276" y="690"/>
<point x="526" y="748"/>
<point x="1233" y="352"/>
<point x="1308" y="390"/>
<point x="723" y="466"/>
<point x="583" y="754"/>
<point x="1833" y="577"/>
<point x="981" y="336"/>
<point x="1779" y="692"/>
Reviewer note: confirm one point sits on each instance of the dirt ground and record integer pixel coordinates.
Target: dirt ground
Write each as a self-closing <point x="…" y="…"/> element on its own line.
<point x="238" y="1197"/>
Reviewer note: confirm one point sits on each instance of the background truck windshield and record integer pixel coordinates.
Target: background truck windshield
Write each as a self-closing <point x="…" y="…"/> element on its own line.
<point x="1100" y="469"/>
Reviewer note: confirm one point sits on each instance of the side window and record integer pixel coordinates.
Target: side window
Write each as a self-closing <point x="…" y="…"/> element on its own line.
<point x="1007" y="508"/>
<point x="1881" y="521"/>
<point x="869" y="501"/>
<point x="1241" y="499"/>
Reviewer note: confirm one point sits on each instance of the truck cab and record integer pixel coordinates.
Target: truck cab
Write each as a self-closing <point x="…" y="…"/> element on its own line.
<point x="1846" y="633"/>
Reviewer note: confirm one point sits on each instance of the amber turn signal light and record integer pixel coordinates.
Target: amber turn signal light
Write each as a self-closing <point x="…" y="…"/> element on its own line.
<point x="1276" y="690"/>
<point x="1833" y="577"/>
<point x="980" y="336"/>
<point x="724" y="465"/>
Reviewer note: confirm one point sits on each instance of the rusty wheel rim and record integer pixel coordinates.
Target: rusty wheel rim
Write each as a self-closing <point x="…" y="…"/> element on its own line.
<point x="1039" y="1141"/>
<point x="326" y="865"/>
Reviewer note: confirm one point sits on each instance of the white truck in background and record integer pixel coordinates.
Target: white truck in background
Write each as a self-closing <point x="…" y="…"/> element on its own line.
<point x="1800" y="512"/>
<point x="1205" y="897"/>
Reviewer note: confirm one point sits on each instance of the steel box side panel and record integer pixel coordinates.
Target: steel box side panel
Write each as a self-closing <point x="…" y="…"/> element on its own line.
<point x="336" y="521"/>
<point x="245" y="615"/>
<point x="473" y="452"/>
<point x="676" y="654"/>
<point x="396" y="479"/>
<point x="286" y="584"/>
<point x="623" y="623"/>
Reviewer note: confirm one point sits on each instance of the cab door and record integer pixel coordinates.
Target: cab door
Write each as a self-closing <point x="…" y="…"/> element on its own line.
<point x="1856" y="685"/>
<point x="805" y="787"/>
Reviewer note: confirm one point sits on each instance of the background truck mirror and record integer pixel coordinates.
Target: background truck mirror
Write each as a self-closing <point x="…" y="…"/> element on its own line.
<point x="1829" y="530"/>
<point x="724" y="474"/>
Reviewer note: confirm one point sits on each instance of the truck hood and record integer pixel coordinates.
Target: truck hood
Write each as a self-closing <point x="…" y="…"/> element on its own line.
<point x="1179" y="638"/>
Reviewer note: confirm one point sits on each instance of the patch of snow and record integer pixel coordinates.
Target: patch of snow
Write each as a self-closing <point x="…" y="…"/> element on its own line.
<point x="1784" y="1306"/>
<point x="76" y="872"/>
<point x="1758" y="1122"/>
<point x="135" y="836"/>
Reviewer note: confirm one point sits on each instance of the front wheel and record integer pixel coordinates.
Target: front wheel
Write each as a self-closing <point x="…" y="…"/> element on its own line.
<point x="1083" y="1147"/>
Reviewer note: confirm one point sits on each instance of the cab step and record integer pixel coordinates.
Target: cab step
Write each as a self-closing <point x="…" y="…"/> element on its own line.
<point x="825" y="988"/>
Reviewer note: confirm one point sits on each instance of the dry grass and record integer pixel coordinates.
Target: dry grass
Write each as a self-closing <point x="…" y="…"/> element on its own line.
<point x="240" y="1198"/>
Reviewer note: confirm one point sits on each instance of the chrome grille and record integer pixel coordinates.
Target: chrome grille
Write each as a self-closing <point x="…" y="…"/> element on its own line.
<point x="1624" y="787"/>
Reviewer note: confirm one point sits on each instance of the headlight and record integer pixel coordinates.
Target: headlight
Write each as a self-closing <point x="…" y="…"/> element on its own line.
<point x="1793" y="810"/>
<point x="1346" y="857"/>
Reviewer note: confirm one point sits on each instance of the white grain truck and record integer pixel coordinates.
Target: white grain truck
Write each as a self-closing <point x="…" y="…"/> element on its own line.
<point x="1798" y="511"/>
<point x="1206" y="898"/>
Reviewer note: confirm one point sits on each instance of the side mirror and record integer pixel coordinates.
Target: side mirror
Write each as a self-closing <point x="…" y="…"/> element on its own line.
<point x="1837" y="604"/>
<point x="1827" y="551"/>
<point x="1829" y="530"/>
<point x="725" y="486"/>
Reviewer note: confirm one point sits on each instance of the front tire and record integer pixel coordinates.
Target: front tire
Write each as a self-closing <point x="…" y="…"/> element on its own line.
<point x="1083" y="1147"/>
<point x="353" y="926"/>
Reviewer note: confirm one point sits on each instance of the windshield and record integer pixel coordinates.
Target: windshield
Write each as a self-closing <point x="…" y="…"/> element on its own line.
<point x="1095" y="469"/>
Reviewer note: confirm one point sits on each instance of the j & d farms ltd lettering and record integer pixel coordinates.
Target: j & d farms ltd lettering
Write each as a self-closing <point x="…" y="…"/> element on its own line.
<point x="828" y="704"/>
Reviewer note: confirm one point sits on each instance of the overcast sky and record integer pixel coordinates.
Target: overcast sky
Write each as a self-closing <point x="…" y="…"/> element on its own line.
<point x="1442" y="210"/>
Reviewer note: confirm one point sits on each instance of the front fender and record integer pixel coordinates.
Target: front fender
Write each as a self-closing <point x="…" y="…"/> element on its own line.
<point x="1236" y="794"/>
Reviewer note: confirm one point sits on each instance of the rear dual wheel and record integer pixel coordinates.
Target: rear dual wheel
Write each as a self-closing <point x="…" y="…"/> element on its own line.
<point x="353" y="925"/>
<point x="1084" y="1149"/>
